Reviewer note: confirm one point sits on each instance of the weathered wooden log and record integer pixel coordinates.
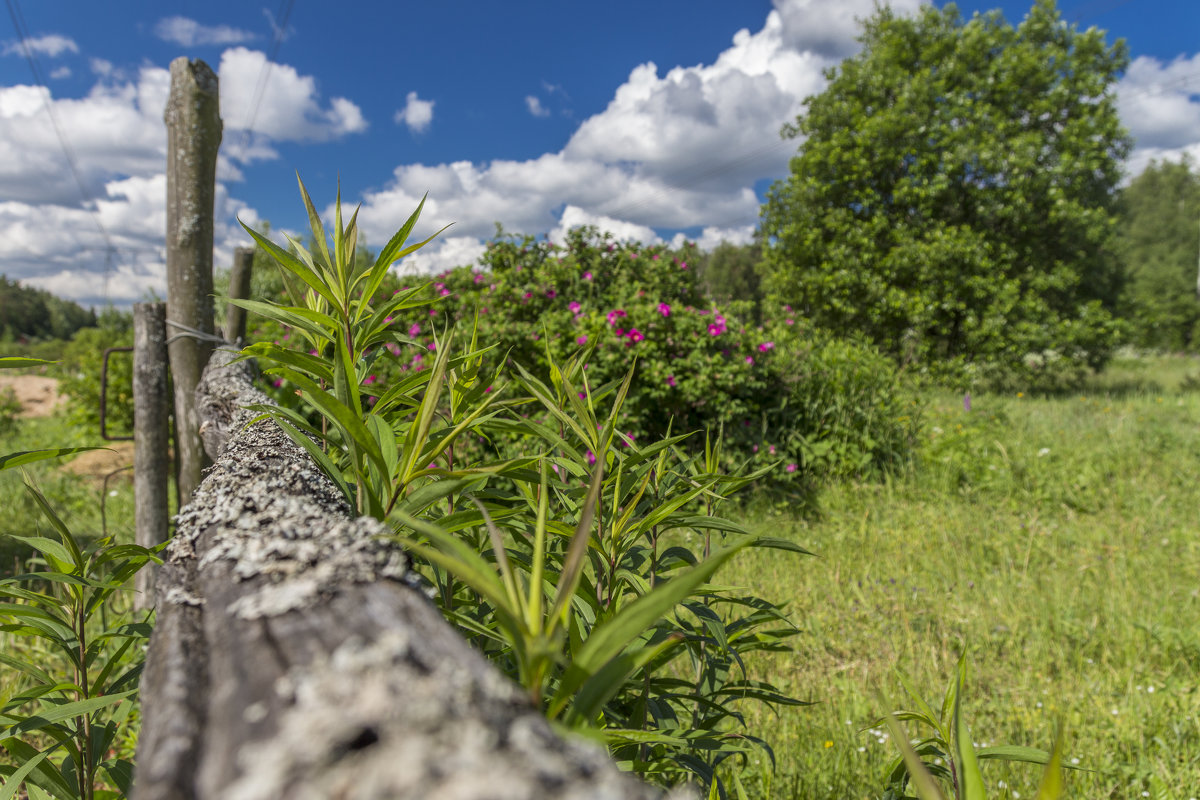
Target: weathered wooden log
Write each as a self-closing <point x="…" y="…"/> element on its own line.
<point x="293" y="659"/>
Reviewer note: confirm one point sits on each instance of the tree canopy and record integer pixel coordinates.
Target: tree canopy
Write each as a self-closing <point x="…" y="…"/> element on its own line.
<point x="35" y="313"/>
<point x="954" y="194"/>
<point x="1160" y="223"/>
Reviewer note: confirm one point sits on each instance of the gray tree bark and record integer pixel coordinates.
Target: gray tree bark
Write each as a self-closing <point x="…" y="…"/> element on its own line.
<point x="151" y="437"/>
<point x="193" y="137"/>
<point x="293" y="657"/>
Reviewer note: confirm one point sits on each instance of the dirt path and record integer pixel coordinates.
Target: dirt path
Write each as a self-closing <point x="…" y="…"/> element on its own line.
<point x="39" y="397"/>
<point x="37" y="394"/>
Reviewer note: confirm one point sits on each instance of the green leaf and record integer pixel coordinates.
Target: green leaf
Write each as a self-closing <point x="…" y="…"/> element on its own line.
<point x="12" y="460"/>
<point x="1051" y="785"/>
<point x="923" y="782"/>
<point x="292" y="264"/>
<point x="611" y="636"/>
<point x="970" y="779"/>
<point x="17" y="362"/>
<point x="58" y="713"/>
<point x="318" y="229"/>
<point x="45" y="773"/>
<point x="15" y="780"/>
<point x="321" y="326"/>
<point x="76" y="556"/>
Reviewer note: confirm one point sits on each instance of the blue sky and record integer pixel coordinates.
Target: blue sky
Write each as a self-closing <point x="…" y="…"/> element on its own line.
<point x="657" y="119"/>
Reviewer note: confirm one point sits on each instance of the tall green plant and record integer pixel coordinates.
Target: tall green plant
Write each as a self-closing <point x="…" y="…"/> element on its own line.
<point x="379" y="444"/>
<point x="570" y="564"/>
<point x="947" y="753"/>
<point x="61" y="725"/>
<point x="595" y="591"/>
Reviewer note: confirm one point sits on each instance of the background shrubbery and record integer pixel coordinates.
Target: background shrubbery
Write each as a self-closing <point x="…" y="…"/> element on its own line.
<point x="782" y="392"/>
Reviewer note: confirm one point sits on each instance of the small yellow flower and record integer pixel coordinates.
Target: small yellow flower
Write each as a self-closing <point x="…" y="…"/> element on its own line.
<point x="1020" y="394"/>
<point x="828" y="743"/>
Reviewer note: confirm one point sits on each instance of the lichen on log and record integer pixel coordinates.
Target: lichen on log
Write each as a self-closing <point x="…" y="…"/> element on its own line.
<point x="293" y="658"/>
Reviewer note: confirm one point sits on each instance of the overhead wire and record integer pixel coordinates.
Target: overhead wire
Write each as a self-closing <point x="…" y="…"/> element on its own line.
<point x="19" y="25"/>
<point x="279" y="24"/>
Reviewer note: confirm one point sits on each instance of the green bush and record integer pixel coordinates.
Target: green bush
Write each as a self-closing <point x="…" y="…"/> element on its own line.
<point x="781" y="392"/>
<point x="582" y="565"/>
<point x="80" y="374"/>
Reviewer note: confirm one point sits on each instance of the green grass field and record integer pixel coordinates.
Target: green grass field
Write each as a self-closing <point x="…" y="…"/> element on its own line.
<point x="1054" y="538"/>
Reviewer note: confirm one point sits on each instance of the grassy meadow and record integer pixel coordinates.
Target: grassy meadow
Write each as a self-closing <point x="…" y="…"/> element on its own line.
<point x="1053" y="537"/>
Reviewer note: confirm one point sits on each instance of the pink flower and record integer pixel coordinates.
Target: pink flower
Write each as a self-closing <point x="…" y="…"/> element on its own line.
<point x="633" y="255"/>
<point x="683" y="265"/>
<point x="445" y="292"/>
<point x="790" y="468"/>
<point x="750" y="360"/>
<point x="433" y="346"/>
<point x="636" y="335"/>
<point x="415" y="330"/>
<point x="671" y="381"/>
<point x="433" y="312"/>
<point x="714" y="330"/>
<point x="654" y="257"/>
<point x="528" y="295"/>
<point x="591" y="457"/>
<point x="614" y="315"/>
<point x="790" y="321"/>
<point x="619" y="331"/>
<point x="765" y="346"/>
<point x="581" y="340"/>
<point x="574" y="306"/>
<point x="587" y="276"/>
<point x="277" y="382"/>
<point x="551" y="294"/>
<point x="664" y="309"/>
<point x="771" y="449"/>
<point x="367" y="381"/>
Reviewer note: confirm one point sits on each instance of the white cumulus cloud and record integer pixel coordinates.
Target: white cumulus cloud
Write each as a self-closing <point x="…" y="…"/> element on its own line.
<point x="417" y="114"/>
<point x="535" y="106"/>
<point x="51" y="45"/>
<point x="672" y="150"/>
<point x="104" y="242"/>
<point x="278" y="102"/>
<point x="1160" y="104"/>
<point x="189" y="32"/>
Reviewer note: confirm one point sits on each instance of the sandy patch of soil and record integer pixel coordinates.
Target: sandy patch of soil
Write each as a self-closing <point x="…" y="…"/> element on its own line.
<point x="37" y="394"/>
<point x="95" y="464"/>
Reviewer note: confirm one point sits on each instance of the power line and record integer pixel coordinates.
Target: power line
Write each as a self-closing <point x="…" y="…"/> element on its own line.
<point x="18" y="20"/>
<point x="264" y="74"/>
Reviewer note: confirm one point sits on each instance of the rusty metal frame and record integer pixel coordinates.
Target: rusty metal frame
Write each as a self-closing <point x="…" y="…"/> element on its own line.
<point x="104" y="396"/>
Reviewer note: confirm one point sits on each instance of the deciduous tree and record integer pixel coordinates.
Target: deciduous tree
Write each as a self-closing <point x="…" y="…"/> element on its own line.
<point x="1159" y="232"/>
<point x="954" y="193"/>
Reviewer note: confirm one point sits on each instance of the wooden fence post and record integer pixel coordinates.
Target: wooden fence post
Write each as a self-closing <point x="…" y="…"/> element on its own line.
<point x="150" y="440"/>
<point x="239" y="289"/>
<point x="193" y="136"/>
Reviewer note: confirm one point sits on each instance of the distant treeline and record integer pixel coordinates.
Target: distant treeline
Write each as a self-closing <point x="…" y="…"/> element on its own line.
<point x="31" y="313"/>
